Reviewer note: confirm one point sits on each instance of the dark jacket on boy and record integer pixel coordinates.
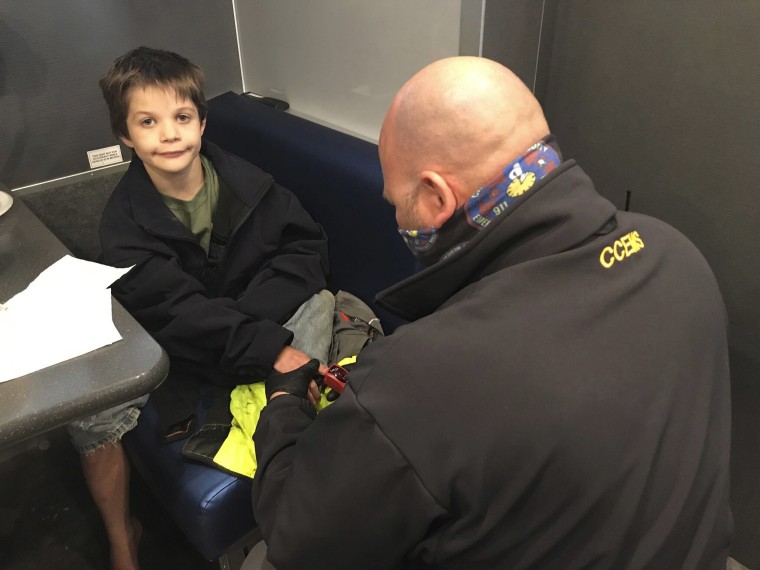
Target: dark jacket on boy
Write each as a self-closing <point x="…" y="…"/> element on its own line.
<point x="218" y="315"/>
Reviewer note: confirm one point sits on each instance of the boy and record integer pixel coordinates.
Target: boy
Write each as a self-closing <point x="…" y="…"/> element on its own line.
<point x="223" y="257"/>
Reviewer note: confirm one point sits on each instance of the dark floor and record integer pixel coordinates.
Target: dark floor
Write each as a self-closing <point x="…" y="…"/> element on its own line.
<point x="47" y="519"/>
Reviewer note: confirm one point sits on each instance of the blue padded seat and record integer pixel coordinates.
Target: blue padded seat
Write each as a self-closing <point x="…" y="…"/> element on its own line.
<point x="337" y="178"/>
<point x="212" y="508"/>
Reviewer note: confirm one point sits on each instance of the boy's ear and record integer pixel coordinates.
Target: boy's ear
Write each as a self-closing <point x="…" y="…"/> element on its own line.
<point x="127" y="142"/>
<point x="203" y="126"/>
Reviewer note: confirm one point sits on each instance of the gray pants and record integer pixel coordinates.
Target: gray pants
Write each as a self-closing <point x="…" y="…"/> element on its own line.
<point x="312" y="324"/>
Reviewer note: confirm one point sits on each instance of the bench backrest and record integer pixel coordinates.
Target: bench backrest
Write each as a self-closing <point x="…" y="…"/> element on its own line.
<point x="336" y="177"/>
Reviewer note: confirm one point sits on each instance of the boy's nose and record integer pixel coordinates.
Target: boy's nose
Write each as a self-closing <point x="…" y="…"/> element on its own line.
<point x="169" y="131"/>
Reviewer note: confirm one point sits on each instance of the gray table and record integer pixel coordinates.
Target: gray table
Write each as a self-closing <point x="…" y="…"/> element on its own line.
<point x="52" y="397"/>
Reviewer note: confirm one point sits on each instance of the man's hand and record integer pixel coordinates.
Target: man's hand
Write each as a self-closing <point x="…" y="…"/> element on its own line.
<point x="290" y="359"/>
<point x="295" y="382"/>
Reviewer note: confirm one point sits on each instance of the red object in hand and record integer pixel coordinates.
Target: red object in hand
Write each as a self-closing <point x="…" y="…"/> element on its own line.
<point x="336" y="378"/>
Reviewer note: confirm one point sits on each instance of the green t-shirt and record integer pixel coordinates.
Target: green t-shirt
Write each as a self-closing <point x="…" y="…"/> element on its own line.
<point x="196" y="214"/>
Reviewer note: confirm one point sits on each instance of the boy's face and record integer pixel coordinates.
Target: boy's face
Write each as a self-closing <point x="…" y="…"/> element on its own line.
<point x="164" y="131"/>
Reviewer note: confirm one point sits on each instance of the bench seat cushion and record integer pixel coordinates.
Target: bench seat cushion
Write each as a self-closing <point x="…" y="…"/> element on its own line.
<point x="212" y="508"/>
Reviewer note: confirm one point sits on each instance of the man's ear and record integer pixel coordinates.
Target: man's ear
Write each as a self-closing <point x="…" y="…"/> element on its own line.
<point x="436" y="200"/>
<point x="127" y="142"/>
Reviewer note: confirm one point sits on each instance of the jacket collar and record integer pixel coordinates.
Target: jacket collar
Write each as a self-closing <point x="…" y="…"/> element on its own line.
<point x="562" y="212"/>
<point x="247" y="183"/>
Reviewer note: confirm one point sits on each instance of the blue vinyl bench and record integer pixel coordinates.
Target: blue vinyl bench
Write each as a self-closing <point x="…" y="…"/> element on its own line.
<point x="337" y="178"/>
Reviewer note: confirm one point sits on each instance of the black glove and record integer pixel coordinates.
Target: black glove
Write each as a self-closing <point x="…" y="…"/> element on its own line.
<point x="295" y="382"/>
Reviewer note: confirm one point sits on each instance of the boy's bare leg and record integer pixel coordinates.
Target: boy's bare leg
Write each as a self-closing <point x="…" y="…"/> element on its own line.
<point x="106" y="472"/>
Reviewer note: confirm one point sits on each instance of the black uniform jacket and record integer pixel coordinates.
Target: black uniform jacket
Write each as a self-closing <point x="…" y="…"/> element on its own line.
<point x="561" y="401"/>
<point x="219" y="315"/>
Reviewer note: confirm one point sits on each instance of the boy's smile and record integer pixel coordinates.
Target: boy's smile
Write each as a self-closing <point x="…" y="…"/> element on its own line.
<point x="165" y="133"/>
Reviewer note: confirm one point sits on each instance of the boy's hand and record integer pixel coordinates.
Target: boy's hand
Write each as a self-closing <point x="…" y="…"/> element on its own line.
<point x="290" y="359"/>
<point x="295" y="382"/>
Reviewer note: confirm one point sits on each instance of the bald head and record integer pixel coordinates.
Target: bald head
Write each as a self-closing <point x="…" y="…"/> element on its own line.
<point x="463" y="118"/>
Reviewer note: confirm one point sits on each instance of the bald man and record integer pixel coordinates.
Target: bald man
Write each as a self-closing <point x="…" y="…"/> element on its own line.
<point x="560" y="398"/>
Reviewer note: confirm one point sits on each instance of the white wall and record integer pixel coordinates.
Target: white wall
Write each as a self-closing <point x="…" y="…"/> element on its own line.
<point x="341" y="61"/>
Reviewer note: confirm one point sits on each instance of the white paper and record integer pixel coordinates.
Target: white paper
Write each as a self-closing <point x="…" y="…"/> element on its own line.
<point x="65" y="312"/>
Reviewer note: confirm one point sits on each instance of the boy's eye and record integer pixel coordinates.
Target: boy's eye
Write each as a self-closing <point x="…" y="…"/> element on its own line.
<point x="183" y="118"/>
<point x="146" y="122"/>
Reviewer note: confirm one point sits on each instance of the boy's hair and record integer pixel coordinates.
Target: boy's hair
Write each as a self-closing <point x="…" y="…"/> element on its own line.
<point x="148" y="67"/>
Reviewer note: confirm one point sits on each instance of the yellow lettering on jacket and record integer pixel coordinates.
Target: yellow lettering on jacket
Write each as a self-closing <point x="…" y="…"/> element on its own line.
<point x="623" y="248"/>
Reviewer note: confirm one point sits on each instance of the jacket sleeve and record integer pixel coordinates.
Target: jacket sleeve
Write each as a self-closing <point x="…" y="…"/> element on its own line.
<point x="296" y="259"/>
<point x="174" y="307"/>
<point x="335" y="493"/>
